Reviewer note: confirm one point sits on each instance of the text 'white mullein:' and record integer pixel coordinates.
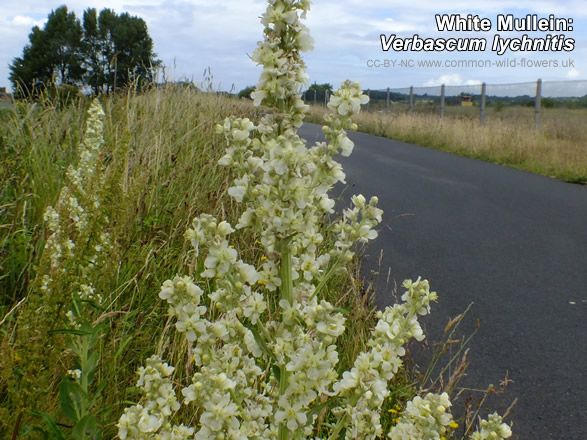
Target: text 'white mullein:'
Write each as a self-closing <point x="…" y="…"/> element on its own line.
<point x="262" y="375"/>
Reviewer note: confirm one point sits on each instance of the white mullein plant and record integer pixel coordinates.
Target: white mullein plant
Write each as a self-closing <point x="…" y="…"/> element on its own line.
<point x="73" y="244"/>
<point x="262" y="378"/>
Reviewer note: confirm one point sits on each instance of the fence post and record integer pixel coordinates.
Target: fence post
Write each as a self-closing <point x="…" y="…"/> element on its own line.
<point x="482" y="106"/>
<point x="441" y="101"/>
<point x="411" y="100"/>
<point x="314" y="96"/>
<point x="537" y="102"/>
<point x="326" y="94"/>
<point x="387" y="101"/>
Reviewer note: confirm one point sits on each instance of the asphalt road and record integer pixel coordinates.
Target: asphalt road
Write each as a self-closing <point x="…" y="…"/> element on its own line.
<point x="511" y="242"/>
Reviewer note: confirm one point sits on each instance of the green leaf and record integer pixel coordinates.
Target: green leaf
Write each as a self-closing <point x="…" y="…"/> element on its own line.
<point x="69" y="331"/>
<point x="54" y="431"/>
<point x="122" y="347"/>
<point x="73" y="399"/>
<point x="86" y="428"/>
<point x="99" y="389"/>
<point x="262" y="344"/>
<point x="76" y="302"/>
<point x="276" y="372"/>
<point x="91" y="365"/>
<point x="327" y="277"/>
<point x="93" y="304"/>
<point x="316" y="409"/>
<point x="27" y="430"/>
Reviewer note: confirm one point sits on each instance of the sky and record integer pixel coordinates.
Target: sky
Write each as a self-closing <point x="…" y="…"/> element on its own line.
<point x="191" y="36"/>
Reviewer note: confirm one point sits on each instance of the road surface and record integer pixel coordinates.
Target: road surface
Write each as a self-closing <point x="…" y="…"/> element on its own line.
<point x="511" y="242"/>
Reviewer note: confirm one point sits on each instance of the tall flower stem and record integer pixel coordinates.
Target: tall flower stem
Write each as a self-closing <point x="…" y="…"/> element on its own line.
<point x="285" y="270"/>
<point x="287" y="294"/>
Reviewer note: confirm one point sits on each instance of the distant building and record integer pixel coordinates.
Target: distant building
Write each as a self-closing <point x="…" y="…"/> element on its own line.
<point x="3" y="94"/>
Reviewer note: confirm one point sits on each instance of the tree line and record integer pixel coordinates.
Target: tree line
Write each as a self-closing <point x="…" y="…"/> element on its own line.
<point x="102" y="52"/>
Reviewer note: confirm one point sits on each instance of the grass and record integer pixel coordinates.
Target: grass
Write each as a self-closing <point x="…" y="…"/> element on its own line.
<point x="508" y="137"/>
<point x="160" y="154"/>
<point x="160" y="158"/>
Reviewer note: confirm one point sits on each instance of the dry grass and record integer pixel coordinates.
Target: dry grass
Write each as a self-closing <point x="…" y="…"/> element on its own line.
<point x="508" y="137"/>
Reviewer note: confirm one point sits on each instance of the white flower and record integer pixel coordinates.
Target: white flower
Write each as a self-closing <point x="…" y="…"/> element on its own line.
<point x="305" y="41"/>
<point x="293" y="416"/>
<point x="258" y="96"/>
<point x="75" y="374"/>
<point x="348" y="99"/>
<point x="346" y="145"/>
<point x="219" y="259"/>
<point x="493" y="429"/>
<point x="283" y="187"/>
<point x="350" y="379"/>
<point x="254" y="306"/>
<point x="148" y="423"/>
<point x="86" y="292"/>
<point x="425" y="417"/>
<point x="52" y="218"/>
<point x="219" y="411"/>
<point x="238" y="192"/>
<point x="224" y="228"/>
<point x="247" y="272"/>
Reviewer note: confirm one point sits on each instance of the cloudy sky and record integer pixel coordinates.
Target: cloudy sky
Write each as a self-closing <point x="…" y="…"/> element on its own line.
<point x="192" y="35"/>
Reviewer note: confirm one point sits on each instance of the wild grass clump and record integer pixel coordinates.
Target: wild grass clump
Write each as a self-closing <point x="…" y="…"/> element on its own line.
<point x="158" y="169"/>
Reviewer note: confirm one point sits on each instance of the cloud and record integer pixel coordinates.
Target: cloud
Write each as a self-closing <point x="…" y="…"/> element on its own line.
<point x="191" y="35"/>
<point x="571" y="8"/>
<point x="26" y="21"/>
<point x="453" y="79"/>
<point x="573" y="73"/>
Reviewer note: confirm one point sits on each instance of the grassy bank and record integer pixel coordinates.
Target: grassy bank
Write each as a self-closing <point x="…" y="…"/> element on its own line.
<point x="508" y="137"/>
<point x="160" y="169"/>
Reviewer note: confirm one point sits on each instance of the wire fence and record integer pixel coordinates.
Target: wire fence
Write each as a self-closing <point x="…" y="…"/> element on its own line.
<point x="480" y="101"/>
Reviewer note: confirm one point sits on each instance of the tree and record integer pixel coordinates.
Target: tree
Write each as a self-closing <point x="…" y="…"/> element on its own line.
<point x="106" y="52"/>
<point x="320" y="87"/>
<point x="246" y="92"/>
<point x="63" y="34"/>
<point x="134" y="48"/>
<point x="53" y="54"/>
<point x="92" y="48"/>
<point x="319" y="91"/>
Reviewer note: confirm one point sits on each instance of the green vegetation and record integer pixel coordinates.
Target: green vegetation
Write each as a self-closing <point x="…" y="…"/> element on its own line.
<point x="160" y="170"/>
<point x="106" y="51"/>
<point x="317" y="92"/>
<point x="246" y="92"/>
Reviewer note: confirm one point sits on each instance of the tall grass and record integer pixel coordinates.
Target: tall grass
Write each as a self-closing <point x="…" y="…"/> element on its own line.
<point x="160" y="158"/>
<point x="508" y="136"/>
<point x="160" y="166"/>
